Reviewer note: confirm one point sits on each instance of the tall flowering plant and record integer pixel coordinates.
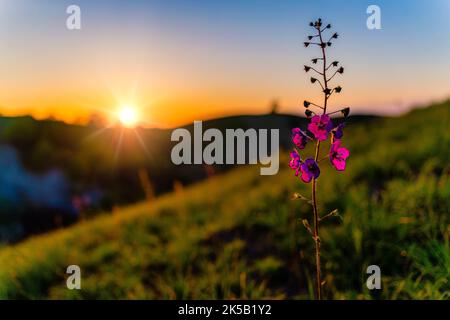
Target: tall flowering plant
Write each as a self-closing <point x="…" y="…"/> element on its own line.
<point x="320" y="128"/>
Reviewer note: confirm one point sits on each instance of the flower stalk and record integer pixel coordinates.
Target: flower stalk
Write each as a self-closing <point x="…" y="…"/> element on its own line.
<point x="320" y="126"/>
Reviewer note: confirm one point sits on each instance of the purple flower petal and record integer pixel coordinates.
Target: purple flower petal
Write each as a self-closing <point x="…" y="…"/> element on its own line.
<point x="310" y="170"/>
<point x="320" y="126"/>
<point x="338" y="155"/>
<point x="338" y="131"/>
<point x="295" y="162"/>
<point x="299" y="138"/>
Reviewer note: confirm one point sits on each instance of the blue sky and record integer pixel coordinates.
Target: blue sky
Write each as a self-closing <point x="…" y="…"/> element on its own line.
<point x="198" y="59"/>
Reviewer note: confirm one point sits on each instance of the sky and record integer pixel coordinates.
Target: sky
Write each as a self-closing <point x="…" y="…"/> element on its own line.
<point x="184" y="60"/>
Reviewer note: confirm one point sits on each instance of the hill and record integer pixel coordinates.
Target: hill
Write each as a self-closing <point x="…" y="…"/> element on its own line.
<point x="56" y="173"/>
<point x="237" y="235"/>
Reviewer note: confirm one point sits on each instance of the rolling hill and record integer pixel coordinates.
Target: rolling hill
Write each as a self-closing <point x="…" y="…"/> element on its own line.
<point x="56" y="173"/>
<point x="237" y="234"/>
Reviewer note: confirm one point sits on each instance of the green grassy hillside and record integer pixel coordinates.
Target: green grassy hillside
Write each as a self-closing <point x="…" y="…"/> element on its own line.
<point x="239" y="236"/>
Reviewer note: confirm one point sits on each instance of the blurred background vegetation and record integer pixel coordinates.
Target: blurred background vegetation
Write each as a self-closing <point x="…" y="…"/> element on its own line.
<point x="234" y="235"/>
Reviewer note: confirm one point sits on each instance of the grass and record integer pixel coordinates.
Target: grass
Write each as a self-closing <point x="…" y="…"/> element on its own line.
<point x="239" y="235"/>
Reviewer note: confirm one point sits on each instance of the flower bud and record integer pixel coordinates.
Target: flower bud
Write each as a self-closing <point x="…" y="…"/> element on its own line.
<point x="345" y="112"/>
<point x="307" y="68"/>
<point x="306" y="104"/>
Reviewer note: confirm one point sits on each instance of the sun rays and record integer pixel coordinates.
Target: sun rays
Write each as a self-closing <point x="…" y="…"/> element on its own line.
<point x="127" y="118"/>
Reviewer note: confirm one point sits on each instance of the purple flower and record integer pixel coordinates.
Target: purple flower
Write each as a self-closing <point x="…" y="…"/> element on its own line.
<point x="309" y="169"/>
<point x="299" y="138"/>
<point x="338" y="155"/>
<point x="320" y="126"/>
<point x="338" y="132"/>
<point x="295" y="162"/>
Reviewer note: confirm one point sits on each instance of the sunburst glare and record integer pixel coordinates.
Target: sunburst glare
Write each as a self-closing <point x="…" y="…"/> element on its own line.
<point x="128" y="116"/>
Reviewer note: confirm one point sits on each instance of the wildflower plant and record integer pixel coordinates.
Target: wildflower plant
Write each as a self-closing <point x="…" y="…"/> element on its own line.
<point x="320" y="128"/>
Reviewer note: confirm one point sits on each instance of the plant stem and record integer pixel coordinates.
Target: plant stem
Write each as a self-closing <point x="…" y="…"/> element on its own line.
<point x="316" y="237"/>
<point x="314" y="184"/>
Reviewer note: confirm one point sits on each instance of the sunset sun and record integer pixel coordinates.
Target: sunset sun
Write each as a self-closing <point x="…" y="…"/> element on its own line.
<point x="128" y="116"/>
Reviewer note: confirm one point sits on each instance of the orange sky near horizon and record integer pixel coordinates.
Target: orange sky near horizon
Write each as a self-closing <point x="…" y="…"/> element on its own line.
<point x="162" y="108"/>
